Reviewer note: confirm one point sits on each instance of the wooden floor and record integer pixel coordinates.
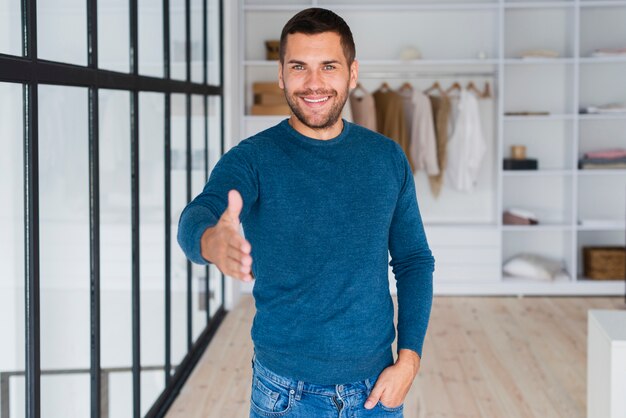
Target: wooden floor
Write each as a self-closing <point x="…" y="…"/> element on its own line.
<point x="483" y="357"/>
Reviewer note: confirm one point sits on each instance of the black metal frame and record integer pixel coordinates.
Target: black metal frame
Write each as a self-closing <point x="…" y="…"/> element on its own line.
<point x="30" y="71"/>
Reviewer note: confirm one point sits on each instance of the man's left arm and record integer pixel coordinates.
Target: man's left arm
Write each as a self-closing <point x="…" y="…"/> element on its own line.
<point x="413" y="265"/>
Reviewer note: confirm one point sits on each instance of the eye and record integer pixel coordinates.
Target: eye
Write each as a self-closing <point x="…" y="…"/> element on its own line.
<point x="297" y="67"/>
<point x="329" y="67"/>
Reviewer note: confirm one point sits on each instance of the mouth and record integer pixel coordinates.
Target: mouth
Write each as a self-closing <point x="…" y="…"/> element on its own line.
<point x="315" y="101"/>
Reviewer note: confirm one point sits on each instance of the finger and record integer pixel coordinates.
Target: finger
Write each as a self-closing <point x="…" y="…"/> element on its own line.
<point x="236" y="270"/>
<point x="235" y="204"/>
<point x="374" y="397"/>
<point x="240" y="243"/>
<point x="235" y="253"/>
<point x="237" y="266"/>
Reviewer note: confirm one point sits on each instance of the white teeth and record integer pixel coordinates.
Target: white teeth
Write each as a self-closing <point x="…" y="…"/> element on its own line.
<point x="315" y="101"/>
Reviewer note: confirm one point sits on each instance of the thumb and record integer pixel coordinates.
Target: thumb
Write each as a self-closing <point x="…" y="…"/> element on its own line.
<point x="374" y="396"/>
<point x="235" y="204"/>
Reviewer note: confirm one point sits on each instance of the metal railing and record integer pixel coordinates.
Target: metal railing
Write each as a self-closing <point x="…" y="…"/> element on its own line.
<point x="5" y="384"/>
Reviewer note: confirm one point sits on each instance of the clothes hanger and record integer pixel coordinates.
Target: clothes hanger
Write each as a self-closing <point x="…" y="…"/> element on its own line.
<point x="472" y="87"/>
<point x="384" y="87"/>
<point x="437" y="87"/>
<point x="359" y="88"/>
<point x="455" y="86"/>
<point x="406" y="86"/>
<point x="487" y="91"/>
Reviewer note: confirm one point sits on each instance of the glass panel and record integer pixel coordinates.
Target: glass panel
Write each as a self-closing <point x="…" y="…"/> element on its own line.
<point x="213" y="32"/>
<point x="62" y="30"/>
<point x="215" y="152"/>
<point x="177" y="40"/>
<point x="12" y="242"/>
<point x="179" y="200"/>
<point x="150" y="26"/>
<point x="10" y="27"/>
<point x="196" y="41"/>
<point x="152" y="243"/>
<point x="198" y="180"/>
<point x="64" y="245"/>
<point x="120" y="394"/>
<point x="115" y="249"/>
<point x="113" y="35"/>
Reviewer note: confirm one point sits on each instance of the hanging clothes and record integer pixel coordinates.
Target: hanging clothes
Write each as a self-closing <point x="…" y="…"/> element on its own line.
<point x="363" y="108"/>
<point x="467" y="147"/>
<point x="441" y="114"/>
<point x="423" y="142"/>
<point x="406" y="92"/>
<point x="390" y="119"/>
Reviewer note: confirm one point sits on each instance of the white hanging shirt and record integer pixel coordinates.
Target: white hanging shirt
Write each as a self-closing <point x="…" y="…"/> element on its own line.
<point x="423" y="144"/>
<point x="466" y="147"/>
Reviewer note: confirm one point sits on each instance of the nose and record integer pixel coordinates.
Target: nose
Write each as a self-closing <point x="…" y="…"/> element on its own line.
<point x="313" y="80"/>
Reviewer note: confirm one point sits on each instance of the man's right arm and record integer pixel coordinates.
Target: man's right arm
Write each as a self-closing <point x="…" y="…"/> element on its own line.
<point x="208" y="230"/>
<point x="224" y="246"/>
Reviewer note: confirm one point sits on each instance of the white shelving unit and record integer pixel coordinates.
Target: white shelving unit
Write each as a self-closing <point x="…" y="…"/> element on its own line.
<point x="470" y="248"/>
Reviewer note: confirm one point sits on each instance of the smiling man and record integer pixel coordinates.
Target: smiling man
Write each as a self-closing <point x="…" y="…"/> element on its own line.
<point x="323" y="202"/>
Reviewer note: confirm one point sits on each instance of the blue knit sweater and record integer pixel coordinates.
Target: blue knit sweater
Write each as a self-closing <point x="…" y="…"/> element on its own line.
<point x="321" y="216"/>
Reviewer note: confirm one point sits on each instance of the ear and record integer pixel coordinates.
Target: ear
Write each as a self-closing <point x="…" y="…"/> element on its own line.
<point x="281" y="82"/>
<point x="354" y="73"/>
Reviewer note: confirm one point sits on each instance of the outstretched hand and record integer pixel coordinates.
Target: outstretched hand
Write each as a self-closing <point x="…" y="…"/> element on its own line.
<point x="223" y="244"/>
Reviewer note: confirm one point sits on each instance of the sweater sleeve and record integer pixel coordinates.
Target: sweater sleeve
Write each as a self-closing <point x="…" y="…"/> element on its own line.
<point x="237" y="169"/>
<point x="412" y="264"/>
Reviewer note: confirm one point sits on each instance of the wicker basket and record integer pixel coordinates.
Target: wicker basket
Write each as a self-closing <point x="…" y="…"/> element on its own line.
<point x="604" y="263"/>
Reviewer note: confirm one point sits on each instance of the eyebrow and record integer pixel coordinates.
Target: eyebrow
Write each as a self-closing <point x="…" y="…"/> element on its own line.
<point x="323" y="62"/>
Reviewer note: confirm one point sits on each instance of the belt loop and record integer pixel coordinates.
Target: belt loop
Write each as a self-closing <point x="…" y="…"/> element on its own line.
<point x="368" y="384"/>
<point x="299" y="390"/>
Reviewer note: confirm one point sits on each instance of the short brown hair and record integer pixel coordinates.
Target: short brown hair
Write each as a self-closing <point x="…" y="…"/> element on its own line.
<point x="317" y="20"/>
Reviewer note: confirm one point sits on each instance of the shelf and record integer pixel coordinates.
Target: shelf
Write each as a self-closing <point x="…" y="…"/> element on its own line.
<point x="539" y="227"/>
<point x="396" y="63"/>
<point x="602" y="60"/>
<point x="561" y="85"/>
<point x="540" y="117"/>
<point x="609" y="3"/>
<point x="600" y="172"/>
<point x="536" y="173"/>
<point x="539" y="5"/>
<point x="380" y="7"/>
<point x="539" y="61"/>
<point x="616" y="226"/>
<point x="602" y="116"/>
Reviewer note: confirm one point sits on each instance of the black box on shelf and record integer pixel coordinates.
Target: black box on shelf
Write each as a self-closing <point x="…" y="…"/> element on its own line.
<point x="525" y="164"/>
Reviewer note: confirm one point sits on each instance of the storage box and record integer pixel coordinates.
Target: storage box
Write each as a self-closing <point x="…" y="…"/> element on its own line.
<point x="265" y="110"/>
<point x="266" y="87"/>
<point x="513" y="164"/>
<point x="270" y="99"/>
<point x="604" y="263"/>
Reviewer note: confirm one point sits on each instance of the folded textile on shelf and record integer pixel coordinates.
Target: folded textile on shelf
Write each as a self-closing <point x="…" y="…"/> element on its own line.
<point x="510" y="219"/>
<point x="524" y="213"/>
<point x="607" y="108"/>
<point x="539" y="53"/>
<point x="609" y="52"/>
<point x="608" y="154"/>
<point x="602" y="163"/>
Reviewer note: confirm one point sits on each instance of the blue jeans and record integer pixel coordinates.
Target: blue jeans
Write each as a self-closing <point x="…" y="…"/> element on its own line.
<point x="279" y="396"/>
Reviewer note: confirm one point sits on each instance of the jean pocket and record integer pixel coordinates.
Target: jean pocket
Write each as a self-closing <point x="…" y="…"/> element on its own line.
<point x="389" y="409"/>
<point x="268" y="398"/>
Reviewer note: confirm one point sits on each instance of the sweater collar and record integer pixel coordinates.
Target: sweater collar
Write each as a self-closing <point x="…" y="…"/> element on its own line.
<point x="313" y="141"/>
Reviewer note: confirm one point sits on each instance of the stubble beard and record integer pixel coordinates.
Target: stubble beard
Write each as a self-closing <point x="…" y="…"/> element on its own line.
<point x="331" y="117"/>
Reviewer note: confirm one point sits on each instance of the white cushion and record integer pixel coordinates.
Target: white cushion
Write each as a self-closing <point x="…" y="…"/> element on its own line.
<point x="533" y="266"/>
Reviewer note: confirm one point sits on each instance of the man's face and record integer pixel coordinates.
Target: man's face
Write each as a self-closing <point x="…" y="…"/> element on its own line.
<point x="316" y="78"/>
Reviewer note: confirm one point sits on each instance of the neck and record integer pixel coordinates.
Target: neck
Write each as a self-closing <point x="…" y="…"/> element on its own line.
<point x="322" y="134"/>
